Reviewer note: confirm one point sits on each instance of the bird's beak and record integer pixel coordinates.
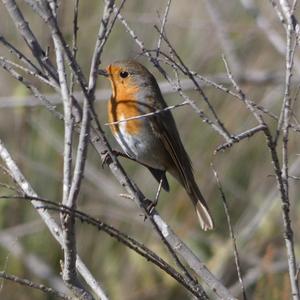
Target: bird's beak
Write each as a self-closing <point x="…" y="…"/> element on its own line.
<point x="103" y="72"/>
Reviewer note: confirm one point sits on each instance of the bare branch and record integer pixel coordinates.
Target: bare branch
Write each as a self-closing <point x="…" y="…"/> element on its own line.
<point x="289" y="240"/>
<point x="219" y="81"/>
<point x="162" y="28"/>
<point x="47" y="218"/>
<point x="7" y="67"/>
<point x="249" y="105"/>
<point x="30" y="284"/>
<point x="20" y="55"/>
<point x="128" y="241"/>
<point x="10" y="239"/>
<point x="271" y="34"/>
<point x="29" y="72"/>
<point x="232" y="235"/>
<point x="29" y="38"/>
<point x="69" y="273"/>
<point x="237" y="138"/>
<point x="219" y="125"/>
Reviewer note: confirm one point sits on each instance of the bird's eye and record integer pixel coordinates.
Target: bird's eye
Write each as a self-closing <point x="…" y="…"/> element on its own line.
<point x="124" y="74"/>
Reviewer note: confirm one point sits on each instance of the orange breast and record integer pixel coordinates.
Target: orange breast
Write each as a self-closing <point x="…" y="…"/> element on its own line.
<point x="123" y="105"/>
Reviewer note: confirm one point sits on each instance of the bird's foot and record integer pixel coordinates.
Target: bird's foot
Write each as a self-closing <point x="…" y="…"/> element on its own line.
<point x="106" y="158"/>
<point x="150" y="206"/>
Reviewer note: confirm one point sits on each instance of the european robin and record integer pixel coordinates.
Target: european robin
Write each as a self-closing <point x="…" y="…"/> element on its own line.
<point x="152" y="140"/>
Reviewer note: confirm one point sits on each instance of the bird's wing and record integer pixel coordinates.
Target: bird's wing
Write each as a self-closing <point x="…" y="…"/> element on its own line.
<point x="169" y="136"/>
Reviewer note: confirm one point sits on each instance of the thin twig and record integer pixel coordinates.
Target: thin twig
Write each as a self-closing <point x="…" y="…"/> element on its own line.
<point x="74" y="46"/>
<point x="221" y="128"/>
<point x="232" y="235"/>
<point x="21" y="56"/>
<point x="282" y="180"/>
<point x="29" y="72"/>
<point x="239" y="137"/>
<point x="30" y="39"/>
<point x="268" y="29"/>
<point x="218" y="85"/>
<point x="162" y="28"/>
<point x="69" y="273"/>
<point x="249" y="104"/>
<point x="281" y="119"/>
<point x="32" y="88"/>
<point x="31" y="284"/>
<point x="170" y="107"/>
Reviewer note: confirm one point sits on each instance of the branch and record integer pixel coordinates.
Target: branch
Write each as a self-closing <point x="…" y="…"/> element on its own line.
<point x="268" y="29"/>
<point x="219" y="81"/>
<point x="13" y="50"/>
<point x="162" y="28"/>
<point x="30" y="284"/>
<point x="41" y="98"/>
<point x="281" y="175"/>
<point x="170" y="107"/>
<point x="30" y="39"/>
<point x="239" y="137"/>
<point x="47" y="218"/>
<point x="69" y="273"/>
<point x="121" y="237"/>
<point x="219" y="126"/>
<point x="10" y="239"/>
<point x="232" y="236"/>
<point x="289" y="239"/>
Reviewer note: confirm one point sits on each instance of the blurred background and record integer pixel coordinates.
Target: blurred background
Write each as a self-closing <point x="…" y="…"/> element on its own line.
<point x="253" y="40"/>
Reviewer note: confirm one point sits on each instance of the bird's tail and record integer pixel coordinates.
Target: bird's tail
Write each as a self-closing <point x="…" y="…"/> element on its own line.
<point x="202" y="211"/>
<point x="186" y="178"/>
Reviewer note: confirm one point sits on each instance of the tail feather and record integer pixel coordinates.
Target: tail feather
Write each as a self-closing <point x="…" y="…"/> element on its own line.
<point x="204" y="217"/>
<point x="202" y="210"/>
<point x="191" y="187"/>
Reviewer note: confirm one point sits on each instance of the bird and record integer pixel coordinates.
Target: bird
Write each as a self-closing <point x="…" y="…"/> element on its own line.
<point x="152" y="140"/>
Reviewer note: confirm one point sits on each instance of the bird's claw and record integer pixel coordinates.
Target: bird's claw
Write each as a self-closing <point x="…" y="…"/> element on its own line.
<point x="106" y="159"/>
<point x="150" y="206"/>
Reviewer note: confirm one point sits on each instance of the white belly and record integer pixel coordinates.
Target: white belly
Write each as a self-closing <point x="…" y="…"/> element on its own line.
<point x="138" y="147"/>
<point x="131" y="144"/>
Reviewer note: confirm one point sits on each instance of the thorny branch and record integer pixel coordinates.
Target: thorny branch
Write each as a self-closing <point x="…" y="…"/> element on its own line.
<point x="30" y="284"/>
